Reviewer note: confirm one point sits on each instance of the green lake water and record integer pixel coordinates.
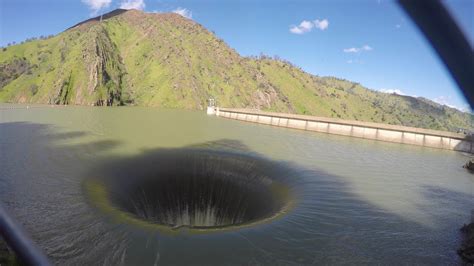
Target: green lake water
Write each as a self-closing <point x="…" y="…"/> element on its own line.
<point x="356" y="201"/>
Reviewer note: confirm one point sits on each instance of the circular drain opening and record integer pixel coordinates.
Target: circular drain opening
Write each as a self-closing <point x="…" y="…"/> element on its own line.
<point x="198" y="190"/>
<point x="183" y="198"/>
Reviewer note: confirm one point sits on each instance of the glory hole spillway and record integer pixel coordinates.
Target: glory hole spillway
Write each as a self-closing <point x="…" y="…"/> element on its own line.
<point x="144" y="186"/>
<point x="204" y="190"/>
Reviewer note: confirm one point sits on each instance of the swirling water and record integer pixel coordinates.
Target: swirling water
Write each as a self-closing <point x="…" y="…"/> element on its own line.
<point x="357" y="201"/>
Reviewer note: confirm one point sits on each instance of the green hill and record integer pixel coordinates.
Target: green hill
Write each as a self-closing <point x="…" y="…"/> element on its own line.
<point x="166" y="60"/>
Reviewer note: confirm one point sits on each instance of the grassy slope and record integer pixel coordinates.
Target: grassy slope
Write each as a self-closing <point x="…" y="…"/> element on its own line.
<point x="166" y="60"/>
<point x="332" y="97"/>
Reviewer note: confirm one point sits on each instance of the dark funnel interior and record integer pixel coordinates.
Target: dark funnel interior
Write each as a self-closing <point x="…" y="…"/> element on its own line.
<point x="198" y="189"/>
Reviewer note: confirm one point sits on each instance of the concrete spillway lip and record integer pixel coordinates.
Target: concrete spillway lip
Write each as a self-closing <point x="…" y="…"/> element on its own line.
<point x="175" y="189"/>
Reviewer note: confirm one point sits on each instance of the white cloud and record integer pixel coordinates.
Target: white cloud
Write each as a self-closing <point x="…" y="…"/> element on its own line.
<point x="296" y="30"/>
<point x="321" y="24"/>
<point x="400" y="23"/>
<point x="351" y="50"/>
<point x="307" y="26"/>
<point x="442" y="100"/>
<point x="183" y="12"/>
<point x="133" y="4"/>
<point x="96" y="5"/>
<point x="358" y="49"/>
<point x="446" y="100"/>
<point x="393" y="91"/>
<point x="466" y="108"/>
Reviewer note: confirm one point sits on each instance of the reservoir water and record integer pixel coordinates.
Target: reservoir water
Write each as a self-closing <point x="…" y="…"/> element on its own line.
<point x="65" y="174"/>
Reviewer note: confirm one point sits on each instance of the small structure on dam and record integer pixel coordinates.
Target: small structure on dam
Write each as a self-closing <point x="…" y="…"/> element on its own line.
<point x="211" y="106"/>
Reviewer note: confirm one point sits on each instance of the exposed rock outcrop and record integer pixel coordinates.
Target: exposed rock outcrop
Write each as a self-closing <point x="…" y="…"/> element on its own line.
<point x="469" y="165"/>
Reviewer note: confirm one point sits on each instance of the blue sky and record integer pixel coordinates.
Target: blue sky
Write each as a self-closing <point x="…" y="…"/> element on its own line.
<point x="367" y="41"/>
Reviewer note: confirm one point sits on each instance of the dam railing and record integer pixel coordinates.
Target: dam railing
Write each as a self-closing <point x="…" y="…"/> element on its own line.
<point x="366" y="130"/>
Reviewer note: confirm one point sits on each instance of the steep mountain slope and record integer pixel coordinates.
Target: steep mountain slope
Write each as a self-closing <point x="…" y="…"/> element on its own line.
<point x="165" y="60"/>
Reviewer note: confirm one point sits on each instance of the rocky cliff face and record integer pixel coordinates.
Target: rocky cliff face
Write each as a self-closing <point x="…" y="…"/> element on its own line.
<point x="165" y="60"/>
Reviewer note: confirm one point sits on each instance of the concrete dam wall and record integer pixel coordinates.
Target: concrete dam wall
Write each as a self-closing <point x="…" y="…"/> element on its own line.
<point x="367" y="130"/>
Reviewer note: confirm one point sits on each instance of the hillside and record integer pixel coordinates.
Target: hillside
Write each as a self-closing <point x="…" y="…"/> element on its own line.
<point x="166" y="60"/>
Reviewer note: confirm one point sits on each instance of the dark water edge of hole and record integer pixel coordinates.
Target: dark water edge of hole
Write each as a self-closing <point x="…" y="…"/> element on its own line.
<point x="197" y="189"/>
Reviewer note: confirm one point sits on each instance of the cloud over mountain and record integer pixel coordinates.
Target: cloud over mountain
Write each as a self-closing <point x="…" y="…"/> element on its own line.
<point x="307" y="26"/>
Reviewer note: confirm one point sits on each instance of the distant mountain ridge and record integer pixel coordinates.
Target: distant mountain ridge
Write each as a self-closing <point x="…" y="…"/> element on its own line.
<point x="105" y="16"/>
<point x="166" y="60"/>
